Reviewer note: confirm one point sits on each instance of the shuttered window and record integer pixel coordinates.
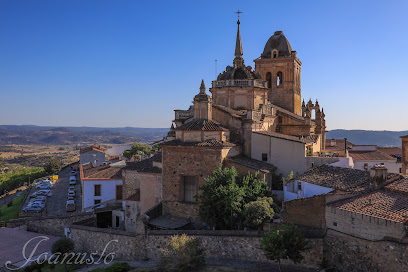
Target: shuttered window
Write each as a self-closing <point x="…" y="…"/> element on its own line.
<point x="189" y="188"/>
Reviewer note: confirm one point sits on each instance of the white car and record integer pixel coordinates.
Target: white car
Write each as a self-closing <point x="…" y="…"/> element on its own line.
<point x="36" y="203"/>
<point x="33" y="208"/>
<point x="71" y="193"/>
<point x="72" y="178"/>
<point x="44" y="185"/>
<point x="72" y="182"/>
<point x="44" y="193"/>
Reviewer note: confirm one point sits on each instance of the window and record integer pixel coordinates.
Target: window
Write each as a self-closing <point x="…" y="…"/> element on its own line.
<point x="269" y="80"/>
<point x="366" y="166"/>
<point x="382" y="163"/>
<point x="97" y="190"/>
<point x="97" y="201"/>
<point x="118" y="192"/>
<point x="189" y="188"/>
<point x="400" y="170"/>
<point x="264" y="157"/>
<point x="299" y="186"/>
<point x="279" y="78"/>
<point x="335" y="224"/>
<point x="117" y="221"/>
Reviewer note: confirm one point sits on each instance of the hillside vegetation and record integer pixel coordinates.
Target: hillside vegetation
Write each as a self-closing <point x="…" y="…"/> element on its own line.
<point x="14" y="179"/>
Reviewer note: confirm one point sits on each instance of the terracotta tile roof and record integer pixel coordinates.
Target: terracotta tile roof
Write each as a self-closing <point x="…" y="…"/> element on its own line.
<point x="92" y="147"/>
<point x="145" y="165"/>
<point x="201" y="124"/>
<point x="338" y="144"/>
<point x="338" y="178"/>
<point x="370" y="156"/>
<point x="210" y="142"/>
<point x="400" y="186"/>
<point x="391" y="151"/>
<point x="252" y="163"/>
<point x="386" y="204"/>
<point x="100" y="172"/>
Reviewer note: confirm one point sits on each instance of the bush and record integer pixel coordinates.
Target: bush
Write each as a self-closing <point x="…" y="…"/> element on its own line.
<point x="10" y="203"/>
<point x="183" y="254"/>
<point x="256" y="212"/>
<point x="116" y="267"/>
<point x="63" y="245"/>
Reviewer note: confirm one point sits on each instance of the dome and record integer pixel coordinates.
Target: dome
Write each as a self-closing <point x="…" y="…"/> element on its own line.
<point x="279" y="42"/>
<point x="244" y="72"/>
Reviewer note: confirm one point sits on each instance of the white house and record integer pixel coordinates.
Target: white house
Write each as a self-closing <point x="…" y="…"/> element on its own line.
<point x="366" y="156"/>
<point x="100" y="184"/>
<point x="287" y="153"/>
<point x="94" y="154"/>
<point x="324" y="179"/>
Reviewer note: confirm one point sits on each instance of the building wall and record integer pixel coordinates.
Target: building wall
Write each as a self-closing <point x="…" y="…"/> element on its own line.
<point x="286" y="155"/>
<point x="132" y="212"/>
<point x="179" y="161"/>
<point x="243" y="170"/>
<point x="392" y="166"/>
<point x="292" y="190"/>
<point x="108" y="191"/>
<point x="363" y="226"/>
<point x="306" y="211"/>
<point x="239" y="97"/>
<point x="150" y="191"/>
<point x="404" y="155"/>
<point x="94" y="157"/>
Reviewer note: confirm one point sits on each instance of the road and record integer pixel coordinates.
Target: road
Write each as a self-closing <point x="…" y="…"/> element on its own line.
<point x="56" y="203"/>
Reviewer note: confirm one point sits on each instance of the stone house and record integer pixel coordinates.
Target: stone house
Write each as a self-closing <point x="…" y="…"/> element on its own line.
<point x="381" y="214"/>
<point x="324" y="179"/>
<point x="94" y="154"/>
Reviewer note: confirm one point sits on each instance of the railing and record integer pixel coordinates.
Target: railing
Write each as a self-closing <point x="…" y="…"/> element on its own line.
<point x="239" y="83"/>
<point x="2" y="224"/>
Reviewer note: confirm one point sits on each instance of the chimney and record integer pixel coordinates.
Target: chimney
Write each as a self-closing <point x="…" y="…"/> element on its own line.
<point x="378" y="176"/>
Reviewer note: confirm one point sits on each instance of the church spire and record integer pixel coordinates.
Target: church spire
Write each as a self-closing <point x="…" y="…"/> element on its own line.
<point x="238" y="61"/>
<point x="202" y="87"/>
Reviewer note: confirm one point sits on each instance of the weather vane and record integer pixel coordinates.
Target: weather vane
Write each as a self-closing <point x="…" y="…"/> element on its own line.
<point x="238" y="12"/>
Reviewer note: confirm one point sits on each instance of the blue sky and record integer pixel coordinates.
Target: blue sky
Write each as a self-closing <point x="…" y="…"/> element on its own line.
<point x="116" y="63"/>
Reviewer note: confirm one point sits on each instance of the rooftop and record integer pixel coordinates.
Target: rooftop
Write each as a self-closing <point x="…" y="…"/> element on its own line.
<point x="209" y="143"/>
<point x="389" y="203"/>
<point x="392" y="151"/>
<point x="338" y="178"/>
<point x="337" y="144"/>
<point x="201" y="124"/>
<point x="88" y="171"/>
<point x="92" y="147"/>
<point x="146" y="165"/>
<point x="279" y="42"/>
<point x="252" y="163"/>
<point x="370" y="156"/>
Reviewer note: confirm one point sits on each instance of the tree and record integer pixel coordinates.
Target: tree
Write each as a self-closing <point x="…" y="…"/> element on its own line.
<point x="224" y="195"/>
<point x="256" y="212"/>
<point x="221" y="198"/>
<point x="284" y="242"/>
<point x="183" y="254"/>
<point x="53" y="166"/>
<point x="62" y="246"/>
<point x="137" y="148"/>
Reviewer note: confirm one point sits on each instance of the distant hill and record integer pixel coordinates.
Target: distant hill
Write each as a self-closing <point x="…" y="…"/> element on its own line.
<point x="374" y="137"/>
<point x="11" y="134"/>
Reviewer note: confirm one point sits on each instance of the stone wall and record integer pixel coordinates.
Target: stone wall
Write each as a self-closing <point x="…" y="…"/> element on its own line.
<point x="351" y="254"/>
<point x="238" y="245"/>
<point x="51" y="225"/>
<point x="363" y="226"/>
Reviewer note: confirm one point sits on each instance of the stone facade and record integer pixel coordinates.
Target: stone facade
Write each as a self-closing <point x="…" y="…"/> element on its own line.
<point x="240" y="97"/>
<point x="306" y="211"/>
<point x="404" y="157"/>
<point x="180" y="161"/>
<point x="351" y="254"/>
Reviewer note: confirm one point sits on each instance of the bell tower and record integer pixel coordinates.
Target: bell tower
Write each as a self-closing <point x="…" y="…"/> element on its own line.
<point x="279" y="66"/>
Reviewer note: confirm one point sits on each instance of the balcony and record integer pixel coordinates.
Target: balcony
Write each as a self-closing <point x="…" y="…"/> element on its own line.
<point x="239" y="83"/>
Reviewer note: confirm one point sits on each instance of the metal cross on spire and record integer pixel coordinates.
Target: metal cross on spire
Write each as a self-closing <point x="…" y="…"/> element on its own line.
<point x="238" y="12"/>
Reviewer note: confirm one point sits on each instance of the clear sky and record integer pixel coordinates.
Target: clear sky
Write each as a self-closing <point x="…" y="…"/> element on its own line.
<point x="115" y="63"/>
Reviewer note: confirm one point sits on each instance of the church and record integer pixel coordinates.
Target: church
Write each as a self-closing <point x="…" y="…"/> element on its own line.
<point x="253" y="119"/>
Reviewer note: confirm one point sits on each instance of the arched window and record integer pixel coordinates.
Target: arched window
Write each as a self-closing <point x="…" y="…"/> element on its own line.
<point x="274" y="53"/>
<point x="279" y="78"/>
<point x="269" y="80"/>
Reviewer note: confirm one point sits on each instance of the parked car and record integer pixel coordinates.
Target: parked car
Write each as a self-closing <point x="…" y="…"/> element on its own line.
<point x="44" y="185"/>
<point x="96" y="206"/>
<point x="43" y="181"/>
<point x="73" y="173"/>
<point x="70" y="198"/>
<point x="36" y="203"/>
<point x="71" y="193"/>
<point x="37" y="199"/>
<point x="44" y="193"/>
<point x="72" y="188"/>
<point x="72" y="182"/>
<point x="70" y="207"/>
<point x="72" y="178"/>
<point x="33" y="208"/>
